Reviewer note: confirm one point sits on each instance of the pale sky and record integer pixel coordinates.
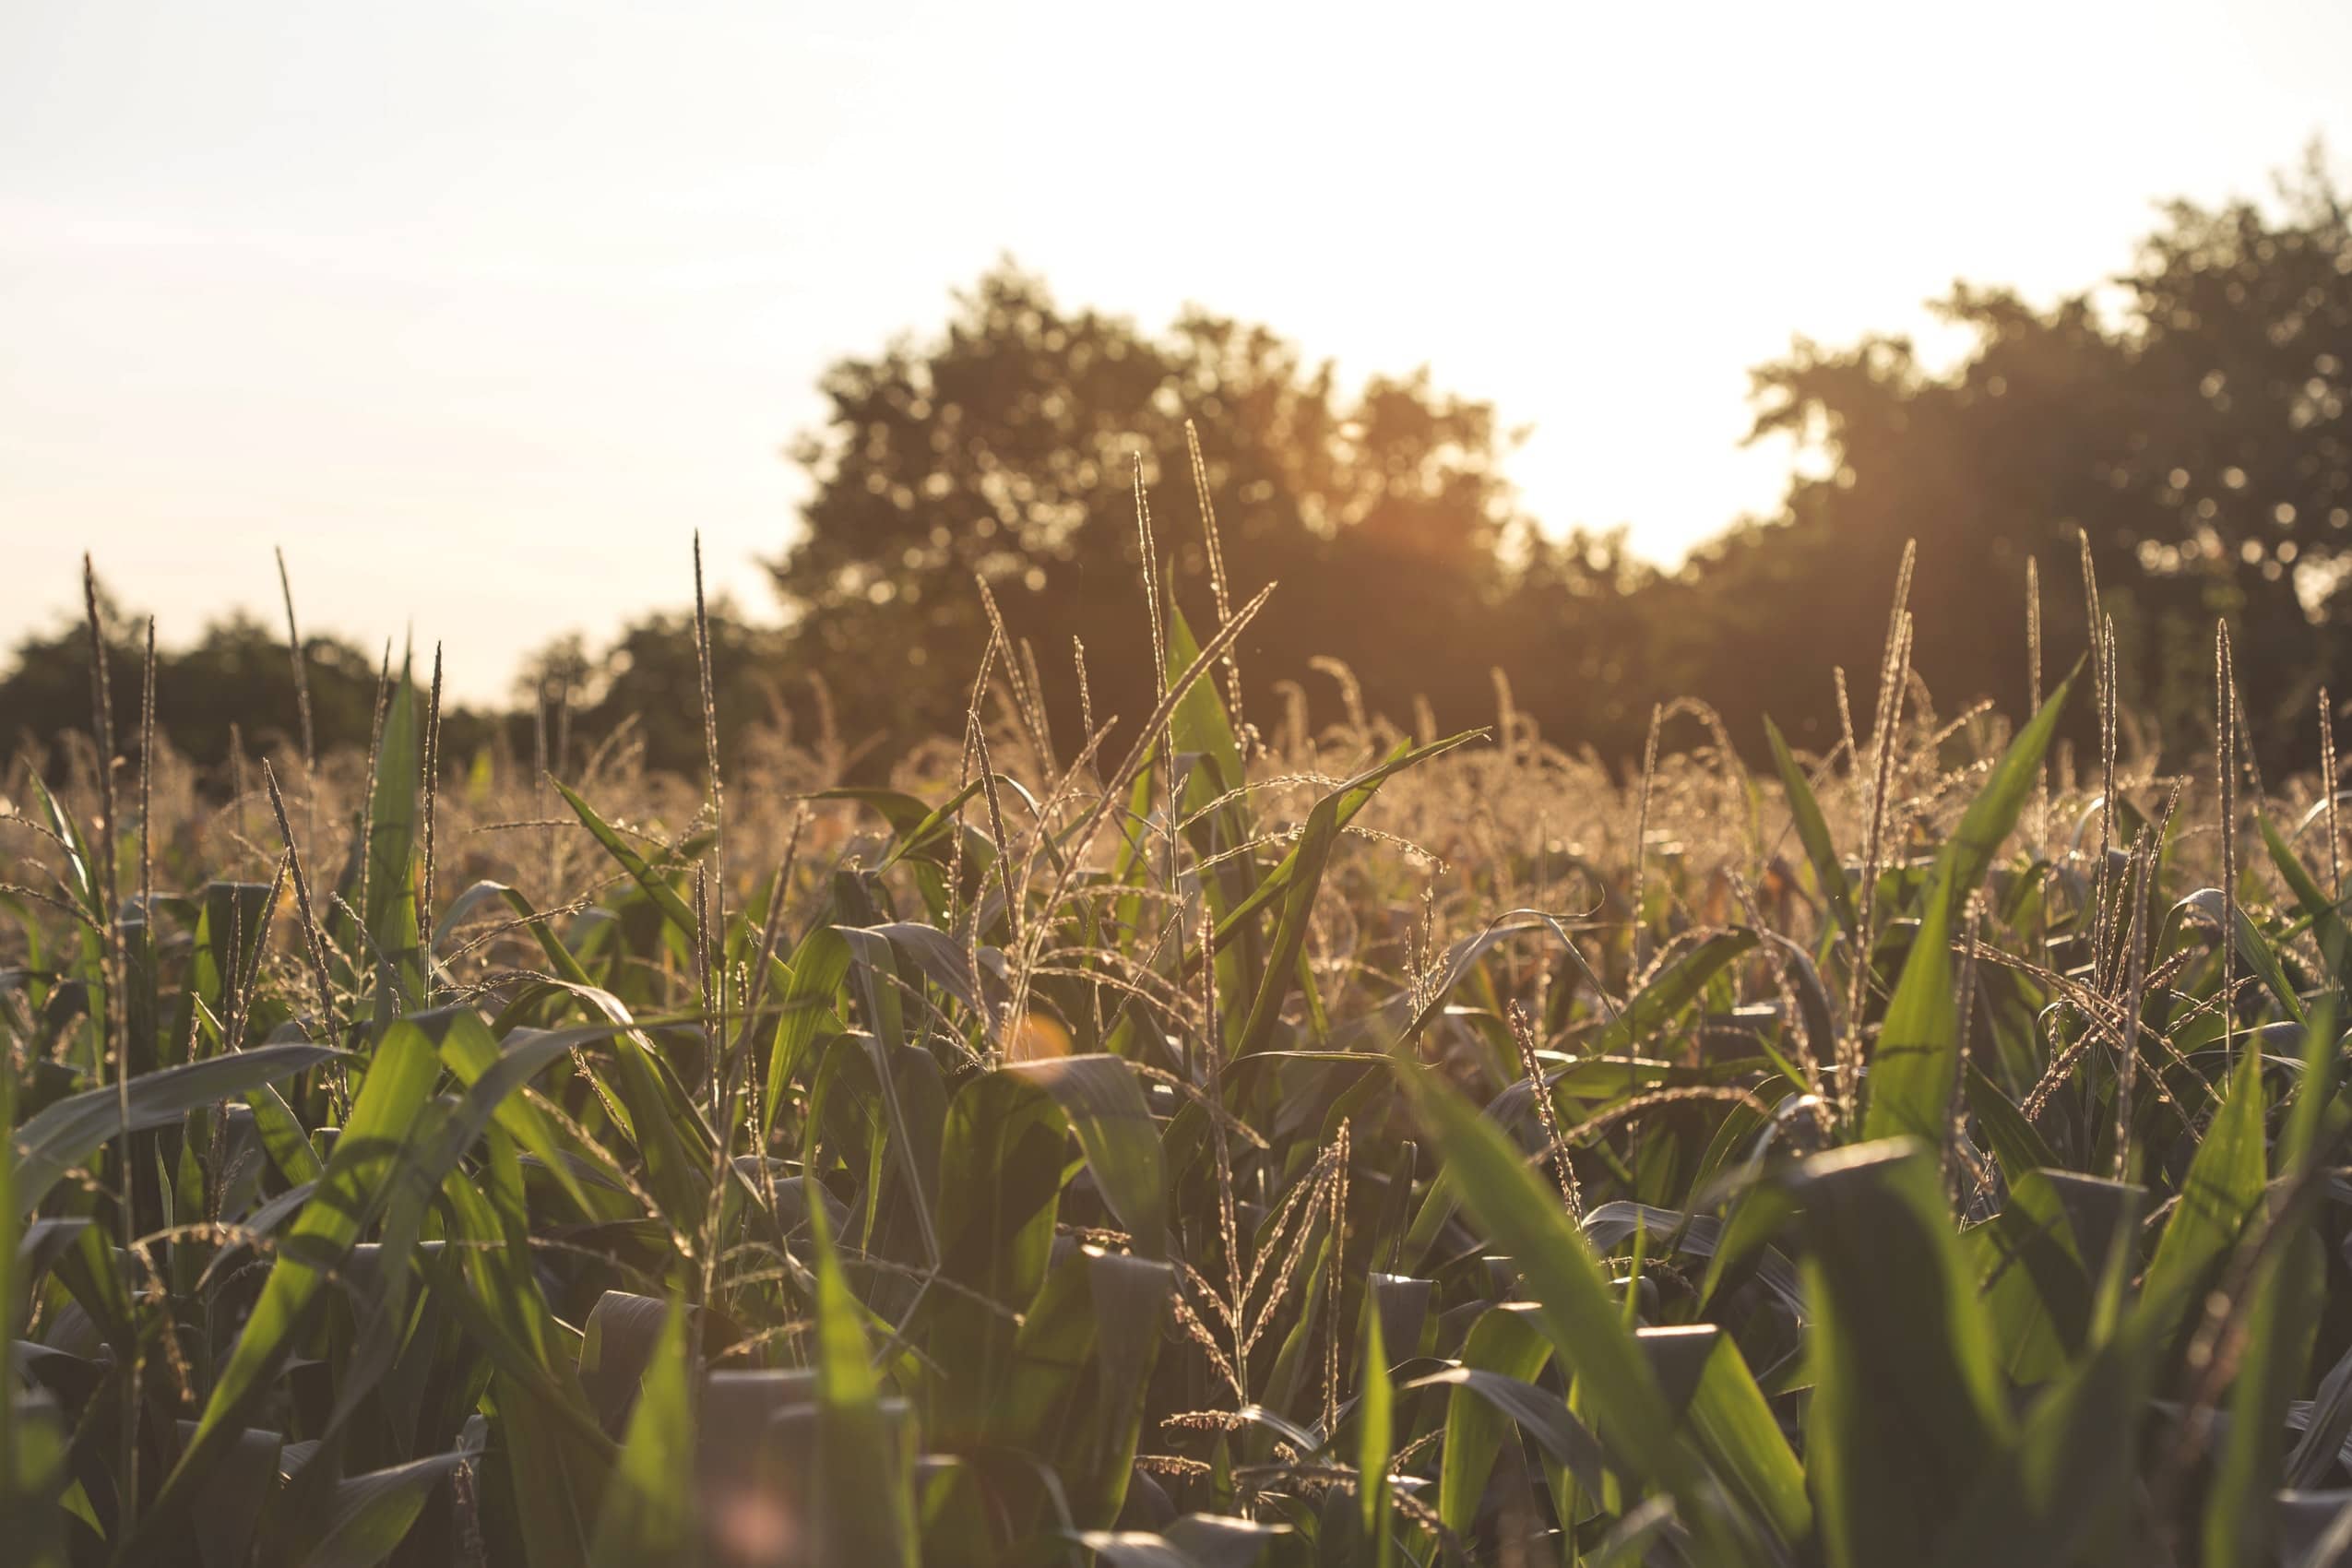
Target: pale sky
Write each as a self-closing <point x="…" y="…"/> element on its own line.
<point x="480" y="309"/>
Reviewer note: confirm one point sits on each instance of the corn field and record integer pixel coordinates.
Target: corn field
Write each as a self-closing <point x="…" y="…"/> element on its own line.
<point x="1181" y="1147"/>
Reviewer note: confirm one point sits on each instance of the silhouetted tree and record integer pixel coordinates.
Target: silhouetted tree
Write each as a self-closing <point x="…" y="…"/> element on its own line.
<point x="237" y="673"/>
<point x="651" y="674"/>
<point x="2189" y="417"/>
<point x="2191" y="420"/>
<point x="1004" y="449"/>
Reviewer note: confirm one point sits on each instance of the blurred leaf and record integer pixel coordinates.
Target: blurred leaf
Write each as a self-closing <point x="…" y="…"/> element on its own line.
<point x="1907" y="1407"/>
<point x="1375" y="1438"/>
<point x="2283" y="1303"/>
<point x="356" y="1184"/>
<point x="866" y="1513"/>
<point x="646" y="1519"/>
<point x="369" y="1515"/>
<point x="1000" y="1175"/>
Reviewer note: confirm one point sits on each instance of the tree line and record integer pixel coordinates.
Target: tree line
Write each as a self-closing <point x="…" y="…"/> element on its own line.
<point x="2181" y="427"/>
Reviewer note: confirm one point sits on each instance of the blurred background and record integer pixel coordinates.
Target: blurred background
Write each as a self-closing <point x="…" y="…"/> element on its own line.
<point x="1622" y="353"/>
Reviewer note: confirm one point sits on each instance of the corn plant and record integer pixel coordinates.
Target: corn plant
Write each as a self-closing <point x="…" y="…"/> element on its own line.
<point x="1090" y="1160"/>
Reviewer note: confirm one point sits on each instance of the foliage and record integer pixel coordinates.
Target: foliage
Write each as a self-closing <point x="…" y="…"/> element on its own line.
<point x="1911" y="1156"/>
<point x="1005" y="450"/>
<point x="230" y="693"/>
<point x="2186" y="422"/>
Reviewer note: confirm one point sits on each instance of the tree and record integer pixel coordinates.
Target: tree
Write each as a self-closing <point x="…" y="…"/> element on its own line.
<point x="1005" y="448"/>
<point x="651" y="674"/>
<point x="2191" y="420"/>
<point x="238" y="674"/>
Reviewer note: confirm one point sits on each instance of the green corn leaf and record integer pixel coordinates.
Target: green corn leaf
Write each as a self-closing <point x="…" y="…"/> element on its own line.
<point x="1906" y="1408"/>
<point x="2288" y="1292"/>
<point x="657" y="887"/>
<point x="2326" y="918"/>
<point x="392" y="837"/>
<point x="244" y="1483"/>
<point x="862" y="1480"/>
<point x="1199" y="724"/>
<point x="805" y="1008"/>
<point x="465" y="903"/>
<point x="1000" y="1173"/>
<point x="1506" y="1342"/>
<point x="646" y="1517"/>
<point x="281" y="1135"/>
<point x="472" y="1056"/>
<point x="1745" y="1446"/>
<point x="1130" y="1297"/>
<point x="369" y="1515"/>
<point x="1347" y="802"/>
<point x="1375" y="1438"/>
<point x="1539" y="1412"/>
<point x="1986" y="824"/>
<point x="356" y="1184"/>
<point x="2285" y="1299"/>
<point x="1108" y="1115"/>
<point x="1299" y="878"/>
<point x="1813" y="830"/>
<point x="556" y="1458"/>
<point x="1678" y="983"/>
<point x="2065" y="1481"/>
<point x="61" y="1136"/>
<point x="1915" y="1071"/>
<point x="920" y="828"/>
<point x="2223" y="1188"/>
<point x="1577" y="1310"/>
<point x="83" y="878"/>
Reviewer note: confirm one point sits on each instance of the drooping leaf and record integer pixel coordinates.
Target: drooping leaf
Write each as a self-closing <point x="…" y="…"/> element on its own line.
<point x="61" y="1136"/>
<point x="1678" y="983"/>
<point x="1112" y="1123"/>
<point x="655" y="886"/>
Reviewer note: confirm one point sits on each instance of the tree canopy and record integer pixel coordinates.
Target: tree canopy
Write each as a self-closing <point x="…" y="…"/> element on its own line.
<point x="2186" y="419"/>
<point x="1006" y="449"/>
